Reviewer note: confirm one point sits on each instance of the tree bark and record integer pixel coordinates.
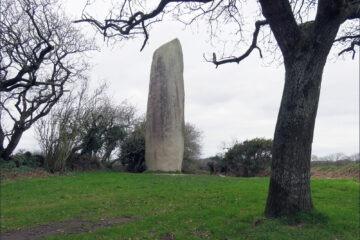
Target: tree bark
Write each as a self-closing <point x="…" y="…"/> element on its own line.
<point x="15" y="138"/>
<point x="2" y="139"/>
<point x="289" y="190"/>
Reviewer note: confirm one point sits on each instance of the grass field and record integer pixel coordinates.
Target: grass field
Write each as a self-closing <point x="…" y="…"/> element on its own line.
<point x="176" y="207"/>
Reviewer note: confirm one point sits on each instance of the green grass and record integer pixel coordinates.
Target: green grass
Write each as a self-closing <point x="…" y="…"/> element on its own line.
<point x="186" y="206"/>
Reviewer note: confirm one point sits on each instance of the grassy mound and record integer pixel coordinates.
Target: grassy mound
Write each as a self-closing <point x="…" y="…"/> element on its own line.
<point x="176" y="207"/>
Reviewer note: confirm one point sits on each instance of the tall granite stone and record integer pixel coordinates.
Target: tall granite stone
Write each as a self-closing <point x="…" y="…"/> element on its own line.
<point x="164" y="137"/>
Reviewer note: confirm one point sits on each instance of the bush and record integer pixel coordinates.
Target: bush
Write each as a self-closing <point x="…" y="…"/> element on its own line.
<point x="21" y="163"/>
<point x="248" y="158"/>
<point x="80" y="162"/>
<point x="7" y="165"/>
<point x="133" y="149"/>
<point x="216" y="165"/>
<point x="132" y="154"/>
<point x="27" y="159"/>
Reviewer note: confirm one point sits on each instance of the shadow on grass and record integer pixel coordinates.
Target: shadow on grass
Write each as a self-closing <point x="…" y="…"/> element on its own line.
<point x="314" y="218"/>
<point x="304" y="218"/>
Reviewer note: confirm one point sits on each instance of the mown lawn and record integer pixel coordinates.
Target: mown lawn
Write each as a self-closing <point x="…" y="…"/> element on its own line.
<point x="182" y="206"/>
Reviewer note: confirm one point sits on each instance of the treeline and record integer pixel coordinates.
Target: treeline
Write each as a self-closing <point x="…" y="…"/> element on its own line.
<point x="88" y="131"/>
<point x="339" y="158"/>
<point x="253" y="158"/>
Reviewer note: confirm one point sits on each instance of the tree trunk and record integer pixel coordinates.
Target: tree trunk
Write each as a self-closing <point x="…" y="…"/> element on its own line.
<point x="15" y="138"/>
<point x="289" y="190"/>
<point x="2" y="139"/>
<point x="2" y="135"/>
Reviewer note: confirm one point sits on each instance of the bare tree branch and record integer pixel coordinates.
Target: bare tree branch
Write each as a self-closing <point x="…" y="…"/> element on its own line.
<point x="136" y="23"/>
<point x="349" y="39"/>
<point x="258" y="25"/>
<point x="351" y="48"/>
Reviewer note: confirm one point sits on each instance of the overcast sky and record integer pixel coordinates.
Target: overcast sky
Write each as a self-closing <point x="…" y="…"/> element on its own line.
<point x="232" y="102"/>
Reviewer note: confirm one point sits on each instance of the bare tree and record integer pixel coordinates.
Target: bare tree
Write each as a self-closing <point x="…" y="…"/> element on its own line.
<point x="41" y="52"/>
<point x="58" y="132"/>
<point x="305" y="31"/>
<point x="84" y="124"/>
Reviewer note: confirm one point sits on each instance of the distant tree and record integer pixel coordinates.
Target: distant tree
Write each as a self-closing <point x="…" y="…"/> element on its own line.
<point x="304" y="30"/>
<point x="40" y="53"/>
<point x="248" y="158"/>
<point x="192" y="148"/>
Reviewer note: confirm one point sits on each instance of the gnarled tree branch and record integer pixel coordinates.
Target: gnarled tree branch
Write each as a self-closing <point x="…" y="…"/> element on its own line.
<point x="258" y="25"/>
<point x="128" y="25"/>
<point x="355" y="43"/>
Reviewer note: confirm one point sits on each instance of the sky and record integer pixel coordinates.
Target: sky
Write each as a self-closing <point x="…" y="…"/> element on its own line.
<point x="228" y="103"/>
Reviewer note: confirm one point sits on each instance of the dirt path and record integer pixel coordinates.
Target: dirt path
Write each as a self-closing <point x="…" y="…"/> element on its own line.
<point x="65" y="227"/>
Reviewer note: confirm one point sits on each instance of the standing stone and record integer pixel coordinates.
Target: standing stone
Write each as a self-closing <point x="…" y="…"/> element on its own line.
<point x="164" y="138"/>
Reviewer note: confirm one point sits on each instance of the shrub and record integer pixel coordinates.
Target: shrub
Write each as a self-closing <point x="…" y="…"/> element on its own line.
<point x="248" y="158"/>
<point x="21" y="163"/>
<point x="27" y="159"/>
<point x="80" y="162"/>
<point x="7" y="165"/>
<point x="216" y="165"/>
<point x="133" y="149"/>
<point x="132" y="153"/>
